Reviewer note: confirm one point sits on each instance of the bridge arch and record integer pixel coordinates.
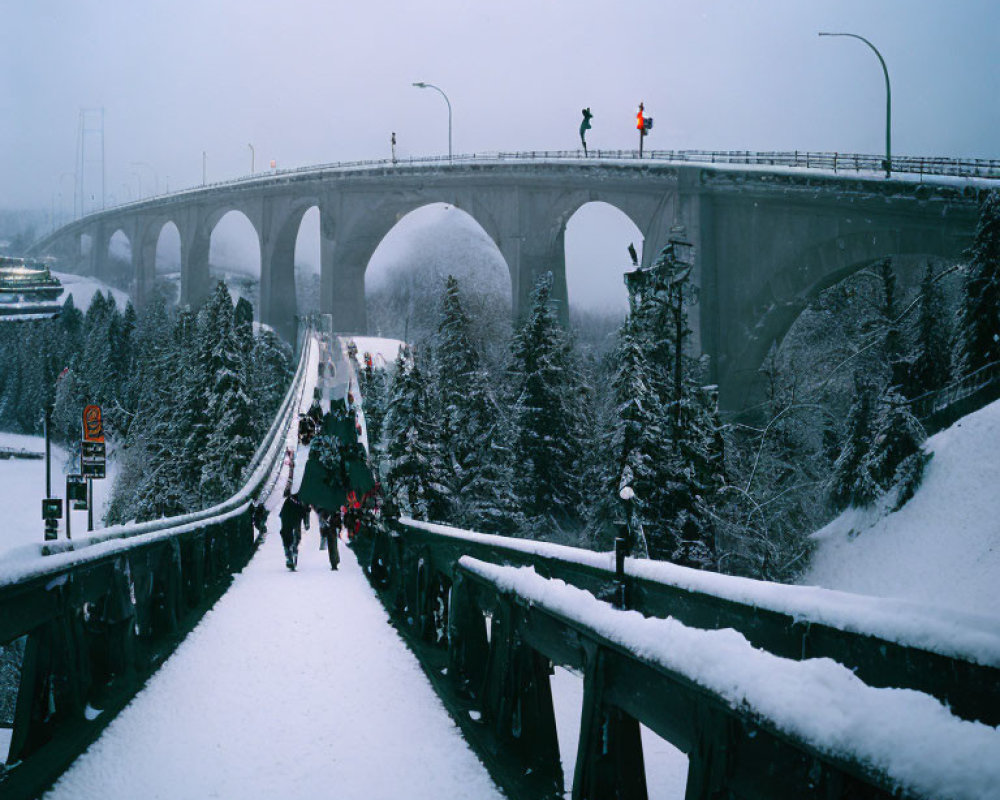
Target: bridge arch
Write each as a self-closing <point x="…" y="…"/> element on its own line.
<point x="597" y="236"/>
<point x="799" y="279"/>
<point x="420" y="249"/>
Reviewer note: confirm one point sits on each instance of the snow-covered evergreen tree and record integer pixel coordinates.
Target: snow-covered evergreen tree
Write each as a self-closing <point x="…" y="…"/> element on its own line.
<point x="896" y="458"/>
<point x="230" y="442"/>
<point x="932" y="357"/>
<point x="416" y="476"/>
<point x="670" y="441"/>
<point x="979" y="316"/>
<point x="852" y="482"/>
<point x="546" y="384"/>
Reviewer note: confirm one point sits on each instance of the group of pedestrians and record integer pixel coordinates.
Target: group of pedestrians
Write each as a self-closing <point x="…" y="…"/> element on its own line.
<point x="337" y="482"/>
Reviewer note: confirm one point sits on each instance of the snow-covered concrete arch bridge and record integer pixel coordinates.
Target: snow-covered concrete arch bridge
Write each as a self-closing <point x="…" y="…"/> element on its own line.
<point x="767" y="238"/>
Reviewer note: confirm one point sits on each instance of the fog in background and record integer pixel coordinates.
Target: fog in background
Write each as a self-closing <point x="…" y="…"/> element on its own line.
<point x="318" y="81"/>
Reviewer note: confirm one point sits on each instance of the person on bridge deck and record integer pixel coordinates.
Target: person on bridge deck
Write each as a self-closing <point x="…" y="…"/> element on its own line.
<point x="293" y="515"/>
<point x="329" y="528"/>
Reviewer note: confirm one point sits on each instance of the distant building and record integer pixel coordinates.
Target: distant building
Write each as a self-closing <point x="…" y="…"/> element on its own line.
<point x="28" y="290"/>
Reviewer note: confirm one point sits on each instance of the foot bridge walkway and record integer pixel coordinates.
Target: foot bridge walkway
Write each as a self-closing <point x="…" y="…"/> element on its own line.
<point x="304" y="684"/>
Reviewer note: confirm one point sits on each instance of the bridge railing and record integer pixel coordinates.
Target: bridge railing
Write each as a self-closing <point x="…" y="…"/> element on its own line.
<point x="89" y="623"/>
<point x="417" y="569"/>
<point x="940" y="408"/>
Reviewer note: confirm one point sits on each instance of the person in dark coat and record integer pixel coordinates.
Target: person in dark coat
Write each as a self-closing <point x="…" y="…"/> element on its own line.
<point x="258" y="516"/>
<point x="293" y="514"/>
<point x="329" y="528"/>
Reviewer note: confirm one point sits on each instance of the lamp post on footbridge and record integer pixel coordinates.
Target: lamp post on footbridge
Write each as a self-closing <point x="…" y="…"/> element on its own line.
<point x="422" y="85"/>
<point x="888" y="98"/>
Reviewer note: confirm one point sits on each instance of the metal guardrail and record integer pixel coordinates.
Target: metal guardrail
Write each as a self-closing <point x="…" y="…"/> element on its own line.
<point x="95" y="622"/>
<point x="415" y="567"/>
<point x="838" y="163"/>
<point x="940" y="408"/>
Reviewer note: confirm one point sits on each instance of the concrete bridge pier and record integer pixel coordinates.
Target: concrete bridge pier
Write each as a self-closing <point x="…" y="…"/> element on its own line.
<point x="278" y="229"/>
<point x="195" y="233"/>
<point x="144" y="262"/>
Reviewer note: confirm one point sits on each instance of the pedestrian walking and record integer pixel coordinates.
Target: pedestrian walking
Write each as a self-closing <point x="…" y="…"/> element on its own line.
<point x="584" y="127"/>
<point x="329" y="530"/>
<point x="394" y="147"/>
<point x="293" y="515"/>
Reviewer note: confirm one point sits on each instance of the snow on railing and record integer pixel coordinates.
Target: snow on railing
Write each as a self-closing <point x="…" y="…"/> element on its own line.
<point x="951" y="655"/>
<point x="901" y="744"/>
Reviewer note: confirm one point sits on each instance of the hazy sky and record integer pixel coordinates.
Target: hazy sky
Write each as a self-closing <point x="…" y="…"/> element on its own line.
<point x="322" y="80"/>
<point x="310" y="81"/>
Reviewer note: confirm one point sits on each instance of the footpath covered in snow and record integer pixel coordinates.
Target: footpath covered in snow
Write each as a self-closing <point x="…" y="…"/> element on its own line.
<point x="293" y="686"/>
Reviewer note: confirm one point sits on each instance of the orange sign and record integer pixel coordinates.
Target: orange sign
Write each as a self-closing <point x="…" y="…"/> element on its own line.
<point x="93" y="424"/>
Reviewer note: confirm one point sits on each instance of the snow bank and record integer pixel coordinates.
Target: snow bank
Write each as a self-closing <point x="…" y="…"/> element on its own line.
<point x="83" y="289"/>
<point x="941" y="630"/>
<point x="22" y="486"/>
<point x="383" y="350"/>
<point x="908" y="735"/>
<point x="943" y="546"/>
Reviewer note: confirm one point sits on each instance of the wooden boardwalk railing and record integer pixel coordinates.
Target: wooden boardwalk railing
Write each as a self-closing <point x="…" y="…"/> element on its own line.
<point x="501" y="677"/>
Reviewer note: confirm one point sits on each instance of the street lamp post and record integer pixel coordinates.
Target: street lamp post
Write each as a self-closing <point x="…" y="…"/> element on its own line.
<point x="252" y="157"/>
<point x="888" y="98"/>
<point x="422" y="85"/>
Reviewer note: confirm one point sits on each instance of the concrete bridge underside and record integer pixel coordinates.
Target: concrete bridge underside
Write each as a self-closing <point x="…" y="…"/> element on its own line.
<point x="765" y="242"/>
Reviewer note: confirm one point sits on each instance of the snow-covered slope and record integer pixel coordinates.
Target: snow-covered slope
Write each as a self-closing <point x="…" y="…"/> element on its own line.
<point x="942" y="547"/>
<point x="83" y="289"/>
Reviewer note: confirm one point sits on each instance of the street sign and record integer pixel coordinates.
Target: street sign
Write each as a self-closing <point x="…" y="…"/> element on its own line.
<point x="93" y="424"/>
<point x="51" y="508"/>
<point x="92" y="459"/>
<point x="76" y="490"/>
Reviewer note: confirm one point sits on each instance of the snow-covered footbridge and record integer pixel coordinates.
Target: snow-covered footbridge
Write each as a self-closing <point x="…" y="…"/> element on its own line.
<point x="180" y="659"/>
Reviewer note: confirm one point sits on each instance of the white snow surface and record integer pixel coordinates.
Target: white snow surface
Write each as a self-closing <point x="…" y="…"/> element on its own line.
<point x="83" y="288"/>
<point x="943" y="547"/>
<point x="975" y="637"/>
<point x="908" y="735"/>
<point x="294" y="686"/>
<point x="22" y="487"/>
<point x="383" y="350"/>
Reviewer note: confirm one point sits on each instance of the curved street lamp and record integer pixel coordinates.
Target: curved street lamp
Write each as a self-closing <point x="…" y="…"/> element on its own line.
<point x="888" y="99"/>
<point x="422" y="85"/>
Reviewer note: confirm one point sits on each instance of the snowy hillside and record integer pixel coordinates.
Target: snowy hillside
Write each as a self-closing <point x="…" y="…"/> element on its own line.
<point x="943" y="547"/>
<point x="83" y="288"/>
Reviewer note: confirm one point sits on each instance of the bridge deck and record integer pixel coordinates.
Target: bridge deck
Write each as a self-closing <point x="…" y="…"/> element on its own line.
<point x="294" y="686"/>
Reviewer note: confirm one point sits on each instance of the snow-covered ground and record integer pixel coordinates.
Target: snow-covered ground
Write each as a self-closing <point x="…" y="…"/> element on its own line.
<point x="84" y="288"/>
<point x="22" y="487"/>
<point x="943" y="547"/>
<point x="383" y="351"/>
